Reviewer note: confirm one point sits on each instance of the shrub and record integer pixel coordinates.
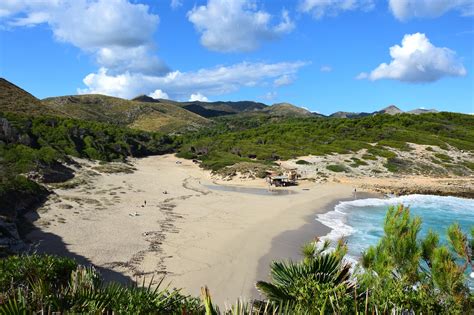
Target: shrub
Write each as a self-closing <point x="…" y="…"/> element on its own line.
<point x="302" y="162"/>
<point x="443" y="157"/>
<point x="337" y="168"/>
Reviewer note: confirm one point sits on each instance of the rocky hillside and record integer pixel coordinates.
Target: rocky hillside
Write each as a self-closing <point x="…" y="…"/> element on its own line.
<point x="287" y="110"/>
<point x="148" y="116"/>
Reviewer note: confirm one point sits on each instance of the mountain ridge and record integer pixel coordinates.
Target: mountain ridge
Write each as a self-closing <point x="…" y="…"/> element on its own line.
<point x="146" y="113"/>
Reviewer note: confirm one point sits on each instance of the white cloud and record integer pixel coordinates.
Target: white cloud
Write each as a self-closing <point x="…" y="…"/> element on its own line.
<point x="179" y="85"/>
<point x="236" y="25"/>
<point x="325" y="69"/>
<point x="285" y="79"/>
<point x="157" y="94"/>
<point x="9" y="8"/>
<point x="117" y="32"/>
<point x="198" y="97"/>
<point x="176" y="4"/>
<point x="417" y="60"/>
<point x="362" y="76"/>
<point x="270" y="96"/>
<point x="321" y="8"/>
<point x="406" y="9"/>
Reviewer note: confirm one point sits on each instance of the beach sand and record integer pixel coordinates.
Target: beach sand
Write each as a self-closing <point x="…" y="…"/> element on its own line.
<point x="188" y="231"/>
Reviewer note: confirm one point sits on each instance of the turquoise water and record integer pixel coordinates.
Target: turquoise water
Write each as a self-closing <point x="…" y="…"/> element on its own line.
<point x="361" y="221"/>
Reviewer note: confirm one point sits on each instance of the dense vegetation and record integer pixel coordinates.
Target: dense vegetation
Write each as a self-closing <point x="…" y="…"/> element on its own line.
<point x="259" y="138"/>
<point x="41" y="145"/>
<point x="402" y="274"/>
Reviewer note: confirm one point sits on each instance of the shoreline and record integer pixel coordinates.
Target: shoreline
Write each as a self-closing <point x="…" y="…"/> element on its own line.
<point x="158" y="216"/>
<point x="287" y="245"/>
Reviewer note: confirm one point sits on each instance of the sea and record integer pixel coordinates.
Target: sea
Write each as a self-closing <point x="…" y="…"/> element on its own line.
<point x="361" y="220"/>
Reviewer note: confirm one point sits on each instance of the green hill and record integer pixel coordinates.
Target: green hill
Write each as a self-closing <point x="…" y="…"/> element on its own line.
<point x="148" y="116"/>
<point x="265" y="139"/>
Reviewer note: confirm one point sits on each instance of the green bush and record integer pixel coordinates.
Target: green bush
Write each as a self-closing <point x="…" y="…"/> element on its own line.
<point x="443" y="157"/>
<point x="302" y="162"/>
<point x="337" y="168"/>
<point x="20" y="271"/>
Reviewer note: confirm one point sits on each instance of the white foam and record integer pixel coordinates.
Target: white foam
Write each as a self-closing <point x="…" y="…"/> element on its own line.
<point x="337" y="219"/>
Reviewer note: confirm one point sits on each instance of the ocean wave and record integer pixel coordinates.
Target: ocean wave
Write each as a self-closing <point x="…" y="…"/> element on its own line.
<point x="337" y="219"/>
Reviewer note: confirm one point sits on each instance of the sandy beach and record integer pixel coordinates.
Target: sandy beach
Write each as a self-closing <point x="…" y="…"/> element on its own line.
<point x="165" y="216"/>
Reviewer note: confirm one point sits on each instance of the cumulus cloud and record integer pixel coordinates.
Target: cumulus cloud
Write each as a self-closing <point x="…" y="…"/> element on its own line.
<point x="406" y="9"/>
<point x="321" y="8"/>
<point x="157" y="94"/>
<point x="237" y="25"/>
<point x="325" y="69"/>
<point x="417" y="60"/>
<point x="198" y="97"/>
<point x="117" y="32"/>
<point x="179" y="85"/>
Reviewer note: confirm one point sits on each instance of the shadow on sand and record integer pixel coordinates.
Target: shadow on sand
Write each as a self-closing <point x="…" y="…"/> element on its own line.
<point x="42" y="242"/>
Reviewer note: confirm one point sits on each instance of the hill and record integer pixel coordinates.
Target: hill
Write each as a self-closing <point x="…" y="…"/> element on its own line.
<point x="389" y="110"/>
<point x="140" y="113"/>
<point x="261" y="139"/>
<point x="215" y="109"/>
<point x="287" y="110"/>
<point x="15" y="99"/>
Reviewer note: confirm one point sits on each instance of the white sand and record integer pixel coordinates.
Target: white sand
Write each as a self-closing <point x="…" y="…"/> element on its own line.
<point x="194" y="235"/>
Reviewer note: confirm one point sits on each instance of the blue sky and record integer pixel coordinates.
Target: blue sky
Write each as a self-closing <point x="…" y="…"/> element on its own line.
<point x="323" y="55"/>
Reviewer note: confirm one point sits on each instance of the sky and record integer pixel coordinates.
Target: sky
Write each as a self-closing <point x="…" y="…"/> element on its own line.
<point x="324" y="55"/>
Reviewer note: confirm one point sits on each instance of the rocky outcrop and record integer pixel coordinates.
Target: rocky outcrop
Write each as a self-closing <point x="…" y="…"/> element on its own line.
<point x="18" y="197"/>
<point x="464" y="189"/>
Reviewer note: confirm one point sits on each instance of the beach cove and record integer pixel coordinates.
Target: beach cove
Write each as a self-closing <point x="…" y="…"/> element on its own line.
<point x="162" y="216"/>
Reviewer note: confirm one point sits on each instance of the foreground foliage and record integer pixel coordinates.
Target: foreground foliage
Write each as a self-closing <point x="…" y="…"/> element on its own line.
<point x="31" y="284"/>
<point x="402" y="274"/>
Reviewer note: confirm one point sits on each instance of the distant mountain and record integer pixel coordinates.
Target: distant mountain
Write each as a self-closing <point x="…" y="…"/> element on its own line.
<point x="145" y="99"/>
<point x="15" y="99"/>
<point x="215" y="109"/>
<point x="349" y="115"/>
<point x="422" y="111"/>
<point x="209" y="109"/>
<point x="389" y="110"/>
<point x="145" y="115"/>
<point x="149" y="114"/>
<point x="287" y="110"/>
